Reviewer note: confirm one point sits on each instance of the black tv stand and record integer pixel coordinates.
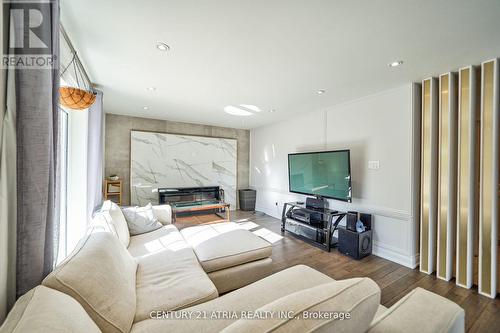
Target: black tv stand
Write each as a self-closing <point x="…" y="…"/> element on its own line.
<point x="320" y="233"/>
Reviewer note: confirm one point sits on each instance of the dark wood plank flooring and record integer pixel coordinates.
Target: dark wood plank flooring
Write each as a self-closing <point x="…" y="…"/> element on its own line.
<point x="481" y="313"/>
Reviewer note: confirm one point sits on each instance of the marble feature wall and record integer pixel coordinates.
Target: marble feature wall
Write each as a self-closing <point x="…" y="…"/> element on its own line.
<point x="117" y="144"/>
<point x="174" y="160"/>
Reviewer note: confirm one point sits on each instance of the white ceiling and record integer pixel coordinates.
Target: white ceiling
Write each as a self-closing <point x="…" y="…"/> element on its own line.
<point x="271" y="53"/>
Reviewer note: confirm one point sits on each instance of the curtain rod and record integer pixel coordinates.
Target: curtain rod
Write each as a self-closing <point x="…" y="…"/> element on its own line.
<point x="77" y="58"/>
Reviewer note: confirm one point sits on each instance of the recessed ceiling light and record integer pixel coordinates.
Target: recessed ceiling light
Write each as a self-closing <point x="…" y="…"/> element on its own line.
<point x="396" y="63"/>
<point x="151" y="88"/>
<point x="145" y="107"/>
<point x="251" y="107"/>
<point x="162" y="46"/>
<point x="321" y="91"/>
<point x="272" y="110"/>
<point x="237" y="111"/>
<point x="242" y="109"/>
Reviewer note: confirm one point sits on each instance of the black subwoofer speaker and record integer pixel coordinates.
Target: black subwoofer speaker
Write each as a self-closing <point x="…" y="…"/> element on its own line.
<point x="354" y="244"/>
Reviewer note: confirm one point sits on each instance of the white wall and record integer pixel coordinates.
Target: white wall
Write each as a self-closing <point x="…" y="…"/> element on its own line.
<point x="379" y="127"/>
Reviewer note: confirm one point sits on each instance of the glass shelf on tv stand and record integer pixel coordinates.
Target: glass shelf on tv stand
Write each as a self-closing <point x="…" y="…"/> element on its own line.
<point x="331" y="219"/>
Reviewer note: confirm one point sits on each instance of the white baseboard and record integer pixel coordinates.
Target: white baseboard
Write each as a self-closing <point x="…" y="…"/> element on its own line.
<point x="395" y="256"/>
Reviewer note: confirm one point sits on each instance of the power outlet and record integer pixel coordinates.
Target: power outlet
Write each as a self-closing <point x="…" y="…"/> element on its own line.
<point x="373" y="165"/>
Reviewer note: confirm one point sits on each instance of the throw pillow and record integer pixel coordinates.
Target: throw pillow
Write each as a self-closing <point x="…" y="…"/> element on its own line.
<point x="141" y="219"/>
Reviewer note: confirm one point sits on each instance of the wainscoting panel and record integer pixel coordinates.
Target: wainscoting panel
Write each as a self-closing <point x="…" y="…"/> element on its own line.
<point x="489" y="178"/>
<point x="447" y="171"/>
<point x="467" y="181"/>
<point x="429" y="163"/>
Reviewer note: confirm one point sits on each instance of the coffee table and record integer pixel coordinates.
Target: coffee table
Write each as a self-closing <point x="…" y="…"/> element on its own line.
<point x="183" y="207"/>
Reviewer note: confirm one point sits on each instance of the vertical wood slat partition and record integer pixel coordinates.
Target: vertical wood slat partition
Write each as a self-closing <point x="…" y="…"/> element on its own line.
<point x="460" y="174"/>
<point x="489" y="178"/>
<point x="467" y="181"/>
<point x="428" y="171"/>
<point x="447" y="166"/>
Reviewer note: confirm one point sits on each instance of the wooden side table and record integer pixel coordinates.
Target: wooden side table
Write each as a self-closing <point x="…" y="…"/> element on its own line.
<point x="113" y="190"/>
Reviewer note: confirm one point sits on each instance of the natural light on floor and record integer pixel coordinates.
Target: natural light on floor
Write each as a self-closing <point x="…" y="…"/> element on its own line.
<point x="247" y="225"/>
<point x="268" y="235"/>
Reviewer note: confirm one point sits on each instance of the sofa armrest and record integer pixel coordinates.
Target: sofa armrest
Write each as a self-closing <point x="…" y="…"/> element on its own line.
<point x="421" y="311"/>
<point x="163" y="213"/>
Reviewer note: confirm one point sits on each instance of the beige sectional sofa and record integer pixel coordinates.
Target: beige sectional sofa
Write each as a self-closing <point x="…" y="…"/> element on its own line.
<point x="231" y="256"/>
<point x="167" y="281"/>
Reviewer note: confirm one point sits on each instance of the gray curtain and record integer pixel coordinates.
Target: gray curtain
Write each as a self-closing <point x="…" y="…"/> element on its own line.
<point x="34" y="93"/>
<point x="7" y="190"/>
<point x="95" y="155"/>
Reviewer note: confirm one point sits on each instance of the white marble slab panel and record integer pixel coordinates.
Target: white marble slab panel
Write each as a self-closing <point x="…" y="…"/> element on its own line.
<point x="173" y="160"/>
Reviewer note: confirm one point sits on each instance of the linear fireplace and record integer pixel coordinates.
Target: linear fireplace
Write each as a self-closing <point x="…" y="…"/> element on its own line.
<point x="189" y="196"/>
<point x="194" y="199"/>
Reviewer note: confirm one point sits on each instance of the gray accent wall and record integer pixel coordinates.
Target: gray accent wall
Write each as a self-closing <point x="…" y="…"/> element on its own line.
<point x="117" y="144"/>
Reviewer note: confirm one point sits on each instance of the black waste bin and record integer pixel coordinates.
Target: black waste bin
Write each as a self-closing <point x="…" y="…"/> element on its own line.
<point x="247" y="199"/>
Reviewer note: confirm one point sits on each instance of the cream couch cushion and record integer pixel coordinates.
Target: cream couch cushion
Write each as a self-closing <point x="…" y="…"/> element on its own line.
<point x="102" y="222"/>
<point x="223" y="245"/>
<point x="169" y="277"/>
<point x="46" y="310"/>
<point x="113" y="213"/>
<point x="380" y="311"/>
<point x="141" y="220"/>
<point x="167" y="238"/>
<point x="441" y="315"/>
<point x="249" y="298"/>
<point x="359" y="298"/>
<point x="239" y="276"/>
<point x="100" y="275"/>
<point x="163" y="213"/>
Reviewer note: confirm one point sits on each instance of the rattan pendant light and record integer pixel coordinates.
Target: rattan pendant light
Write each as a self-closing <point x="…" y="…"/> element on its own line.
<point x="75" y="98"/>
<point x="80" y="97"/>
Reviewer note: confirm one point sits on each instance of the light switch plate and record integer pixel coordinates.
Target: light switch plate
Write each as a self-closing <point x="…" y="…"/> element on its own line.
<point x="373" y="165"/>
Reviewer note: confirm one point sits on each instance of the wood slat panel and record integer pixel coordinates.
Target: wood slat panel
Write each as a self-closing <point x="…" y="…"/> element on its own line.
<point x="467" y="217"/>
<point x="488" y="206"/>
<point x="447" y="172"/>
<point x="428" y="190"/>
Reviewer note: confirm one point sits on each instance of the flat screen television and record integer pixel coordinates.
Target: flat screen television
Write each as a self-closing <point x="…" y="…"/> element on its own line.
<point x="323" y="174"/>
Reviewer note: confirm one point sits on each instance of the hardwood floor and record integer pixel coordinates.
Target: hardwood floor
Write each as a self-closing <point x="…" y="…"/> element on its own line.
<point x="481" y="313"/>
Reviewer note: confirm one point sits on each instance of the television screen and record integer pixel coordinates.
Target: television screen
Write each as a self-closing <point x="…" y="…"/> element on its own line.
<point x="325" y="174"/>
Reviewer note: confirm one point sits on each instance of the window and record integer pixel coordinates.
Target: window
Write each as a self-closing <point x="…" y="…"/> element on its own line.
<point x="63" y="209"/>
<point x="73" y="145"/>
